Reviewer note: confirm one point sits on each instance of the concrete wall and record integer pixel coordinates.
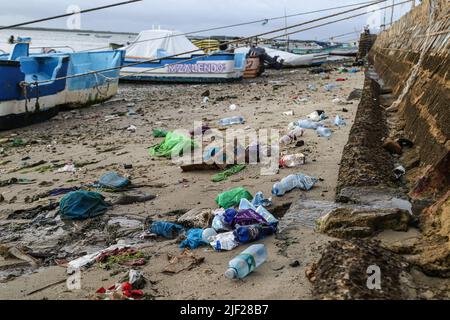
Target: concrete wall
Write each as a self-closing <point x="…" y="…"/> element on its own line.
<point x="412" y="57"/>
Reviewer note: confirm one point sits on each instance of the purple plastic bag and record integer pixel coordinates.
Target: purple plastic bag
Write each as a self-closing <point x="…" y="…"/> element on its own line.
<point x="243" y="217"/>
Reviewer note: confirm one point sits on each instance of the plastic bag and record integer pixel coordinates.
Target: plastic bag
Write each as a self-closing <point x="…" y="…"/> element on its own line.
<point x="113" y="180"/>
<point x="194" y="239"/>
<point x="232" y="197"/>
<point x="173" y="145"/>
<point x="82" y="205"/>
<point x="166" y="229"/>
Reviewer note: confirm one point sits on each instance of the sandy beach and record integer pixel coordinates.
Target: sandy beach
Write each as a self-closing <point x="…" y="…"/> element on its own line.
<point x="96" y="146"/>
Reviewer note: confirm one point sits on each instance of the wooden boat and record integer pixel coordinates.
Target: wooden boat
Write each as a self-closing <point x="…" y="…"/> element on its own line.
<point x="159" y="45"/>
<point x="34" y="87"/>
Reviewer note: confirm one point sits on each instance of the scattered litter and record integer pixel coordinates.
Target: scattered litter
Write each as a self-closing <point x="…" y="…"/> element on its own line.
<point x="167" y="230"/>
<point x="250" y="233"/>
<point x="173" y="145"/>
<point x="132" y="128"/>
<point x="224" y="241"/>
<point x="82" y="204"/>
<point x="323" y="132"/>
<point x="288" y="113"/>
<point x="67" y="168"/>
<point x="399" y="171"/>
<point x="194" y="239"/>
<point x="231" y="121"/>
<point x="259" y="200"/>
<point x="246" y="262"/>
<point x="329" y="87"/>
<point x="292" y="160"/>
<point x="227" y="173"/>
<point x="113" y="180"/>
<point x="233" y="107"/>
<point x="159" y="133"/>
<point x="187" y="260"/>
<point x="338" y="121"/>
<point x="293" y="181"/>
<point x="232" y="197"/>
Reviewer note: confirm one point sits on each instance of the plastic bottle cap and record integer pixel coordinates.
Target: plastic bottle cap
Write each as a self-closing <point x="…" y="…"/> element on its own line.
<point x="231" y="273"/>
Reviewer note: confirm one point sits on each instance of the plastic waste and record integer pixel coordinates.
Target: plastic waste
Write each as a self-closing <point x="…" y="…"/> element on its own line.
<point x="317" y="115"/>
<point x="296" y="132"/>
<point x="159" y="133"/>
<point x="166" y="229"/>
<point x="224" y="241"/>
<point x="67" y="168"/>
<point x="323" y="132"/>
<point x="82" y="204"/>
<point x="194" y="239"/>
<point x="244" y="217"/>
<point x="232" y="197"/>
<point x="219" y="223"/>
<point x="113" y="180"/>
<point x="208" y="233"/>
<point x="259" y="200"/>
<point x="173" y="144"/>
<point x="246" y="262"/>
<point x="132" y="128"/>
<point x="293" y="181"/>
<point x="205" y="100"/>
<point x="263" y="212"/>
<point x="330" y="86"/>
<point x="288" y="113"/>
<point x="246" y="234"/>
<point x="233" y="107"/>
<point x="312" y="87"/>
<point x="399" y="171"/>
<point x="292" y="160"/>
<point x="338" y="121"/>
<point x="231" y="121"/>
<point x="307" y="124"/>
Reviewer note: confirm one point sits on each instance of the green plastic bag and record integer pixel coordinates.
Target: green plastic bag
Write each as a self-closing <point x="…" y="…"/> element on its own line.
<point x="227" y="173"/>
<point x="232" y="197"/>
<point x="159" y="133"/>
<point x="173" y="144"/>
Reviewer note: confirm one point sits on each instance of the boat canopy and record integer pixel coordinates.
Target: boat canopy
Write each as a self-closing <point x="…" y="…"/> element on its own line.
<point x="165" y="43"/>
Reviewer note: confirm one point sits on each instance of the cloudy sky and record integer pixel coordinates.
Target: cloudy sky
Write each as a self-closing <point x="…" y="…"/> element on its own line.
<point x="190" y="15"/>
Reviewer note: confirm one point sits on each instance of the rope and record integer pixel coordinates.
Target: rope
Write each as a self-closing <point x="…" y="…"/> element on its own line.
<point x="243" y="24"/>
<point x="69" y="14"/>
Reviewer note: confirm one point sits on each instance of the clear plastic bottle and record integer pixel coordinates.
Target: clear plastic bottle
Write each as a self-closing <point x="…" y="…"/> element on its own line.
<point x="292" y="160"/>
<point x="232" y="120"/>
<point x="246" y="262"/>
<point x="323" y="132"/>
<point x="293" y="181"/>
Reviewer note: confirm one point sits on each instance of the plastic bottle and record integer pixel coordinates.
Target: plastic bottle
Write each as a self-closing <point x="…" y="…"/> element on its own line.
<point x="246" y="262"/>
<point x="208" y="233"/>
<point x="323" y="132"/>
<point x="231" y="121"/>
<point x="246" y="234"/>
<point x="245" y="204"/>
<point x="293" y="181"/>
<point x="308" y="124"/>
<point x="292" y="160"/>
<point x="338" y="121"/>
<point x="259" y="200"/>
<point x="330" y="86"/>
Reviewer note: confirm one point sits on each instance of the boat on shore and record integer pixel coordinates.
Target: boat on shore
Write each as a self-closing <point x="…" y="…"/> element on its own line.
<point x="33" y="87"/>
<point x="291" y="60"/>
<point x="195" y="67"/>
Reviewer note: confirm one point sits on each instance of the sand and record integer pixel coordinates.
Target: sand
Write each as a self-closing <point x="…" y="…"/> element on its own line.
<point x="83" y="136"/>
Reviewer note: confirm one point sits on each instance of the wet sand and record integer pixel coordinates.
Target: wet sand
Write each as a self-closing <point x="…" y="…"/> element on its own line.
<point x="96" y="147"/>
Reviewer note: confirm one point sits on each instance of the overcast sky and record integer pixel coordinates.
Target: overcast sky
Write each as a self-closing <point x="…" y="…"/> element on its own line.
<point x="188" y="15"/>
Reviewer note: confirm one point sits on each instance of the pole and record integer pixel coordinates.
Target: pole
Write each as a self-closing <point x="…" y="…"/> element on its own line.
<point x="392" y="12"/>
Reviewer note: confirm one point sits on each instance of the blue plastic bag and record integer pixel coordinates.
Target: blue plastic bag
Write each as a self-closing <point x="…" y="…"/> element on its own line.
<point x="193" y="240"/>
<point x="166" y="229"/>
<point x="82" y="204"/>
<point x="113" y="180"/>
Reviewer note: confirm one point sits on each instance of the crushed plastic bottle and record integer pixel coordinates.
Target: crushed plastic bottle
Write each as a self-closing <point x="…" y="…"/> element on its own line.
<point x="307" y="124"/>
<point x="292" y="160"/>
<point x="323" y="132"/>
<point x="231" y="121"/>
<point x="246" y="262"/>
<point x="259" y="200"/>
<point x="293" y="181"/>
<point x="338" y="121"/>
<point x="330" y="86"/>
